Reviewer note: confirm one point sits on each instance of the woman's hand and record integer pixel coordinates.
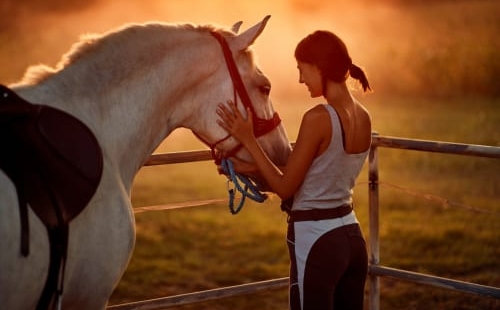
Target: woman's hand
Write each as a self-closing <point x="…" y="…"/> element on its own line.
<point x="234" y="123"/>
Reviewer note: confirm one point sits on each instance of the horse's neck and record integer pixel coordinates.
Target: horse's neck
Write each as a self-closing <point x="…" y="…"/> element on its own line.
<point x="127" y="121"/>
<point x="131" y="103"/>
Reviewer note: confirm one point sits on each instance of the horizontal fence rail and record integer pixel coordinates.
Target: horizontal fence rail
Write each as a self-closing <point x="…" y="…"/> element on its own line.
<point x="377" y="141"/>
<point x="196" y="297"/>
<point x="436" y="146"/>
<point x="375" y="270"/>
<point x="178" y="157"/>
<point x="460" y="286"/>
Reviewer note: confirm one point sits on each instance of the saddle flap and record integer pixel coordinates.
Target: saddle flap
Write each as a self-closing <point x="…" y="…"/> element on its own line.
<point x="71" y="159"/>
<point x="73" y="141"/>
<point x="53" y="158"/>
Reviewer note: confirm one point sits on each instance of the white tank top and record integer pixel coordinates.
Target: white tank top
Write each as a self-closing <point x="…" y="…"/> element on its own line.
<point x="330" y="179"/>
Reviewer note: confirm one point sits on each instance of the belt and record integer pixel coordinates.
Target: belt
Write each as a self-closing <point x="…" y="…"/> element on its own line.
<point x="319" y="214"/>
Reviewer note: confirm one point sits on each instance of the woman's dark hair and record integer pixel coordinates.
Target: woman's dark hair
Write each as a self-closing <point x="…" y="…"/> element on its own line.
<point x="327" y="51"/>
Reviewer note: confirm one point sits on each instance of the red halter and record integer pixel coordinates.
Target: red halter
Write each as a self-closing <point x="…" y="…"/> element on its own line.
<point x="260" y="126"/>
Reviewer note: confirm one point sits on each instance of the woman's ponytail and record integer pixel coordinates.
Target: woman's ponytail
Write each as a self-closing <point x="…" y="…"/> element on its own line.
<point x="357" y="73"/>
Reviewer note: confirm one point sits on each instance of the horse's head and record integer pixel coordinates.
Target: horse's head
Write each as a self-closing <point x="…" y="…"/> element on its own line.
<point x="236" y="77"/>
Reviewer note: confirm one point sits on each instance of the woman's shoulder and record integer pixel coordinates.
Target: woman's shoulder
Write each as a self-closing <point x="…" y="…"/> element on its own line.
<point x="317" y="118"/>
<point x="317" y="112"/>
<point x="315" y="131"/>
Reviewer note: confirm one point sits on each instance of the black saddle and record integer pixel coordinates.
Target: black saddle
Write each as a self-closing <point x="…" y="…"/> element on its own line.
<point x="56" y="163"/>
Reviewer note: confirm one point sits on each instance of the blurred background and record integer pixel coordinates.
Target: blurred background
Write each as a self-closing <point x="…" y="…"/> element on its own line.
<point x="431" y="48"/>
<point x="439" y="50"/>
<point x="434" y="67"/>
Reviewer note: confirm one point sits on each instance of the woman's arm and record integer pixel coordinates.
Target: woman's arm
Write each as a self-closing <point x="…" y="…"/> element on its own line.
<point x="283" y="182"/>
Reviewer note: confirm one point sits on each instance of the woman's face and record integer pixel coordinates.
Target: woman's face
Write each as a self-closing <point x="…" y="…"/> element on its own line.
<point x="310" y="75"/>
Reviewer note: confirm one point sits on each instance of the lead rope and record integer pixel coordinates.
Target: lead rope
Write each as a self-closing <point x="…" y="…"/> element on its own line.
<point x="250" y="190"/>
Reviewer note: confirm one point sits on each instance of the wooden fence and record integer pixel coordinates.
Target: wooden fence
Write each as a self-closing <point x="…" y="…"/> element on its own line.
<point x="375" y="269"/>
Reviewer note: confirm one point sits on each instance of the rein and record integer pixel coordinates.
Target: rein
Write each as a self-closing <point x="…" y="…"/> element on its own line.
<point x="236" y="178"/>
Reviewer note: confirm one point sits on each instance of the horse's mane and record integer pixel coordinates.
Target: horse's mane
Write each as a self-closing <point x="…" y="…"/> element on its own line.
<point x="91" y="44"/>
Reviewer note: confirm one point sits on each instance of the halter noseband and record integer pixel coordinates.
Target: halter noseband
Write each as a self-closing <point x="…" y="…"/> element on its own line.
<point x="260" y="126"/>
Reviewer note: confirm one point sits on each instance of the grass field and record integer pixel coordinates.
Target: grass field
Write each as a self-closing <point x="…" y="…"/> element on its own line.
<point x="186" y="250"/>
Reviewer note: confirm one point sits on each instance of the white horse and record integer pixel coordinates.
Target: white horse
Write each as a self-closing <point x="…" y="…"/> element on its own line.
<point x="132" y="87"/>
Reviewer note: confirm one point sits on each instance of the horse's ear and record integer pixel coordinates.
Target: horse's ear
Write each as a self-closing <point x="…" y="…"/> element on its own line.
<point x="236" y="27"/>
<point x="245" y="39"/>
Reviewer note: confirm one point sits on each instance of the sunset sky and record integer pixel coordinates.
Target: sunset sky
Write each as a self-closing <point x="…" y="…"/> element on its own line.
<point x="44" y="33"/>
<point x="432" y="49"/>
<point x="385" y="37"/>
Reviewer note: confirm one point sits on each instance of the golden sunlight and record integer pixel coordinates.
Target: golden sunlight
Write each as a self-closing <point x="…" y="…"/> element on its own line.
<point x="406" y="48"/>
<point x="52" y="31"/>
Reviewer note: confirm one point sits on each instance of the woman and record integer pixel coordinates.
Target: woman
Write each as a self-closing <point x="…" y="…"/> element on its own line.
<point x="327" y="250"/>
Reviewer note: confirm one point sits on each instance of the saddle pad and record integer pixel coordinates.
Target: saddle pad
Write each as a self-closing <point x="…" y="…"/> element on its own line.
<point x="70" y="157"/>
<point x="52" y="157"/>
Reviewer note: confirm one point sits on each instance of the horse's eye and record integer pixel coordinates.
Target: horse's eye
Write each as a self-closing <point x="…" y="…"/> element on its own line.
<point x="265" y="89"/>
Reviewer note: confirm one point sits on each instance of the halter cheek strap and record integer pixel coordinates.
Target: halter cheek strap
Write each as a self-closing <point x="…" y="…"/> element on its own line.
<point x="260" y="126"/>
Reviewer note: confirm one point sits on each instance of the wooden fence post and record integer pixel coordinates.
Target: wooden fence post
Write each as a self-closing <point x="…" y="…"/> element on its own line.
<point x="373" y="208"/>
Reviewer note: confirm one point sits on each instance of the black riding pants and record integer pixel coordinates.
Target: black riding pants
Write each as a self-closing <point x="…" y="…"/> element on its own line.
<point x="334" y="274"/>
